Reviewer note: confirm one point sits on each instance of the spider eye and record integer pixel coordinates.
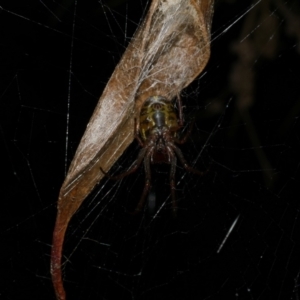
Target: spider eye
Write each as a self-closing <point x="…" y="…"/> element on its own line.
<point x="157" y="106"/>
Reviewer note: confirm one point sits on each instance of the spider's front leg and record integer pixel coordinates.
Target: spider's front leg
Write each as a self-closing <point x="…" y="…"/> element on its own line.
<point x="173" y="161"/>
<point x="180" y="113"/>
<point x="136" y="133"/>
<point x="131" y="170"/>
<point x="147" y="185"/>
<point x="187" y="134"/>
<point x="184" y="162"/>
<point x="138" y="161"/>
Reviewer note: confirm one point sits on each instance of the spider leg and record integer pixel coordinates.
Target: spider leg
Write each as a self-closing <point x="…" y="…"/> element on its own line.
<point x="172" y="181"/>
<point x="180" y="110"/>
<point x="147" y="185"/>
<point x="183" y="140"/>
<point x="136" y="133"/>
<point x="134" y="167"/>
<point x="184" y="162"/>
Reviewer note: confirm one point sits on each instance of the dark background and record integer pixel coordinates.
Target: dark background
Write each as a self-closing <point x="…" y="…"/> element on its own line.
<point x="55" y="53"/>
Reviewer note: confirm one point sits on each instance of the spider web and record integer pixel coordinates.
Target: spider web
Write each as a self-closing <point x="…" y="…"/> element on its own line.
<point x="236" y="235"/>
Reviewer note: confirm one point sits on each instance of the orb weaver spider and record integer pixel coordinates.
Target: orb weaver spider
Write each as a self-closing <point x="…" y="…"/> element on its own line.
<point x="157" y="134"/>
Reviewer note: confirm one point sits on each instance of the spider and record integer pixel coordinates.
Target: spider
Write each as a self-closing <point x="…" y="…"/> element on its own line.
<point x="157" y="134"/>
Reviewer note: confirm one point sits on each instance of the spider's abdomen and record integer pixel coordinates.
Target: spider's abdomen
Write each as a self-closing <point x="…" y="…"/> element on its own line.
<point x="156" y="113"/>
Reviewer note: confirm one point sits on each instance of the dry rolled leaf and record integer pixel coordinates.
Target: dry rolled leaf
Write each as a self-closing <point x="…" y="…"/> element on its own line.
<point x="169" y="50"/>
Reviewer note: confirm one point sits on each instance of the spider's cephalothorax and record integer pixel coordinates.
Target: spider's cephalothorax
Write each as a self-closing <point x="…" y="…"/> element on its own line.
<point x="158" y="127"/>
<point x="157" y="134"/>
